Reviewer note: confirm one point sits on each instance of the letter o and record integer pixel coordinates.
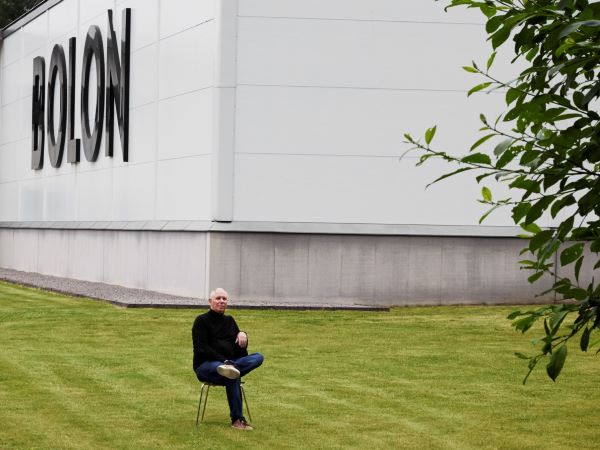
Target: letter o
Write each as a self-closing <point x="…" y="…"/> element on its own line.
<point x="94" y="48"/>
<point x="57" y="70"/>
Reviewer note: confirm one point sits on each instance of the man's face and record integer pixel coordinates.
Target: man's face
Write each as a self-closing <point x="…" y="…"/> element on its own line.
<point x="218" y="302"/>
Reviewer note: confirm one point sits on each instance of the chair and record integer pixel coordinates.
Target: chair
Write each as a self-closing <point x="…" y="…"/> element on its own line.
<point x="208" y="386"/>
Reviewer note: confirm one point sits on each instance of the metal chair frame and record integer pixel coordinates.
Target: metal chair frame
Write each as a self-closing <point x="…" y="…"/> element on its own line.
<point x="208" y="386"/>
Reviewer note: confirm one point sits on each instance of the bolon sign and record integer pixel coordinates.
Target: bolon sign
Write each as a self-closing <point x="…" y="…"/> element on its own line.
<point x="112" y="89"/>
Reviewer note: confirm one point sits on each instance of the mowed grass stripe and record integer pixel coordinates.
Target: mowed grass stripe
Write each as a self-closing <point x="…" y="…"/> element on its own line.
<point x="75" y="373"/>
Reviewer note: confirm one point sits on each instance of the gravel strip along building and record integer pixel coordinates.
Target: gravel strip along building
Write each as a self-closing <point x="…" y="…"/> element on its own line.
<point x="179" y="145"/>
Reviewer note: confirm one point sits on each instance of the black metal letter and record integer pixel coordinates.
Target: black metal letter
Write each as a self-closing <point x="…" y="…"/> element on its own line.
<point x="93" y="48"/>
<point x="37" y="113"/>
<point x="57" y="69"/>
<point x="73" y="144"/>
<point x="117" y="89"/>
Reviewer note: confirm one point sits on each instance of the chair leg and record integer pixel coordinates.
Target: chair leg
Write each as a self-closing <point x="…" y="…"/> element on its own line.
<point x="205" y="402"/>
<point x="246" y="403"/>
<point x="200" y="402"/>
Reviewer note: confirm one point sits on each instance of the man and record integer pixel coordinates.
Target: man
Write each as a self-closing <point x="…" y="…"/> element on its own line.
<point x="220" y="354"/>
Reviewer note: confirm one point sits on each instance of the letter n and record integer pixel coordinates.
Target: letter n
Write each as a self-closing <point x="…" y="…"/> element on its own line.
<point x="117" y="87"/>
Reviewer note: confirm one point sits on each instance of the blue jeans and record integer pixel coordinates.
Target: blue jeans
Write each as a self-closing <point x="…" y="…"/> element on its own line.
<point x="207" y="371"/>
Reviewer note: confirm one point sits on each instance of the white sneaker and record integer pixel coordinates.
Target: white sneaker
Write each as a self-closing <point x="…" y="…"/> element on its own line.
<point x="228" y="371"/>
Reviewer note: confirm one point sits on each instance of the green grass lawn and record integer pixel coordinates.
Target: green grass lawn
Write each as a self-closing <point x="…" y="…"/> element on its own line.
<point x="81" y="374"/>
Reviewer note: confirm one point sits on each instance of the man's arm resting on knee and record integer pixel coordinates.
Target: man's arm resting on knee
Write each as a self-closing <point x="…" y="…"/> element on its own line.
<point x="242" y="339"/>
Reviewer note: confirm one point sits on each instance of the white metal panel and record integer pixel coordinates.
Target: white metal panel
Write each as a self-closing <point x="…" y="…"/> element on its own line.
<point x="35" y="34"/>
<point x="295" y="188"/>
<point x="183" y="189"/>
<point x="368" y="122"/>
<point x="11" y="49"/>
<point x="133" y="192"/>
<point x="126" y="258"/>
<point x="60" y="195"/>
<point x="53" y="252"/>
<point x="143" y="87"/>
<point x="179" y="15"/>
<point x="26" y="118"/>
<point x="62" y="19"/>
<point x="9" y="199"/>
<point x="26" y="250"/>
<point x="11" y="157"/>
<point x="386" y="10"/>
<point x="186" y="61"/>
<point x="31" y="199"/>
<point x="13" y="81"/>
<point x="11" y="122"/>
<point x="7" y="245"/>
<point x="86" y="255"/>
<point x="95" y="9"/>
<point x="21" y="160"/>
<point x="223" y="153"/>
<point x="357" y="54"/>
<point x="185" y="125"/>
<point x="94" y="195"/>
<point x="142" y="134"/>
<point x="176" y="263"/>
<point x="144" y="22"/>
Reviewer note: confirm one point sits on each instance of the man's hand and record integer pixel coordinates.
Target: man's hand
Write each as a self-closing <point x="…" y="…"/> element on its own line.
<point x="241" y="339"/>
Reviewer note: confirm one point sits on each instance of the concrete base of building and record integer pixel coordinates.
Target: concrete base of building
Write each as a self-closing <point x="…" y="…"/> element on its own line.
<point x="283" y="268"/>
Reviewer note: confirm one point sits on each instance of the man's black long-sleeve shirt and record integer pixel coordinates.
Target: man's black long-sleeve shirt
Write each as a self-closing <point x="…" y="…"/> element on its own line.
<point x="214" y="337"/>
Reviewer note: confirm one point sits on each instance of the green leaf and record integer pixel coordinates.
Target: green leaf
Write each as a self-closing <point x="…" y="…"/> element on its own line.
<point x="560" y="204"/>
<point x="585" y="340"/>
<point x="575" y="26"/>
<point x="479" y="87"/>
<point x="491" y="210"/>
<point x="520" y="211"/>
<point x="538" y="208"/>
<point x="525" y="184"/>
<point x="540" y="239"/>
<point x="500" y="36"/>
<point x="524" y="324"/>
<point x="470" y="69"/>
<point x="511" y="95"/>
<point x="557" y="361"/>
<point x="531" y="228"/>
<point x="513" y="314"/>
<point x="556" y="320"/>
<point x="490" y="60"/>
<point x="448" y="175"/>
<point x="429" y="134"/>
<point x="521" y="356"/>
<point x="578" y="265"/>
<point x="481" y="141"/>
<point x="503" y="146"/>
<point x="529" y="156"/>
<point x="506" y="157"/>
<point x="486" y="194"/>
<point x="493" y="24"/>
<point x="578" y="294"/>
<point x="477" y="158"/>
<point x="570" y="254"/>
<point x="536" y="276"/>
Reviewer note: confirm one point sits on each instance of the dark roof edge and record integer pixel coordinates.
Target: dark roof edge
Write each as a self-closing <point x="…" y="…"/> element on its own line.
<point x="30" y="15"/>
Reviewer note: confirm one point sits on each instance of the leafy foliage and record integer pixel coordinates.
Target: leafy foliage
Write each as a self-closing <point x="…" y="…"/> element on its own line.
<point x="546" y="148"/>
<point x="13" y="9"/>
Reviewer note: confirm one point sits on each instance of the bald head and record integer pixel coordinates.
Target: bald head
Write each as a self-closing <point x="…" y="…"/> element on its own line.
<point x="218" y="300"/>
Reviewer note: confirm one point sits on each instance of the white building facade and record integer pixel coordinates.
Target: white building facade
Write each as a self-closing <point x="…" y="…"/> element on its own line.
<point x="263" y="143"/>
